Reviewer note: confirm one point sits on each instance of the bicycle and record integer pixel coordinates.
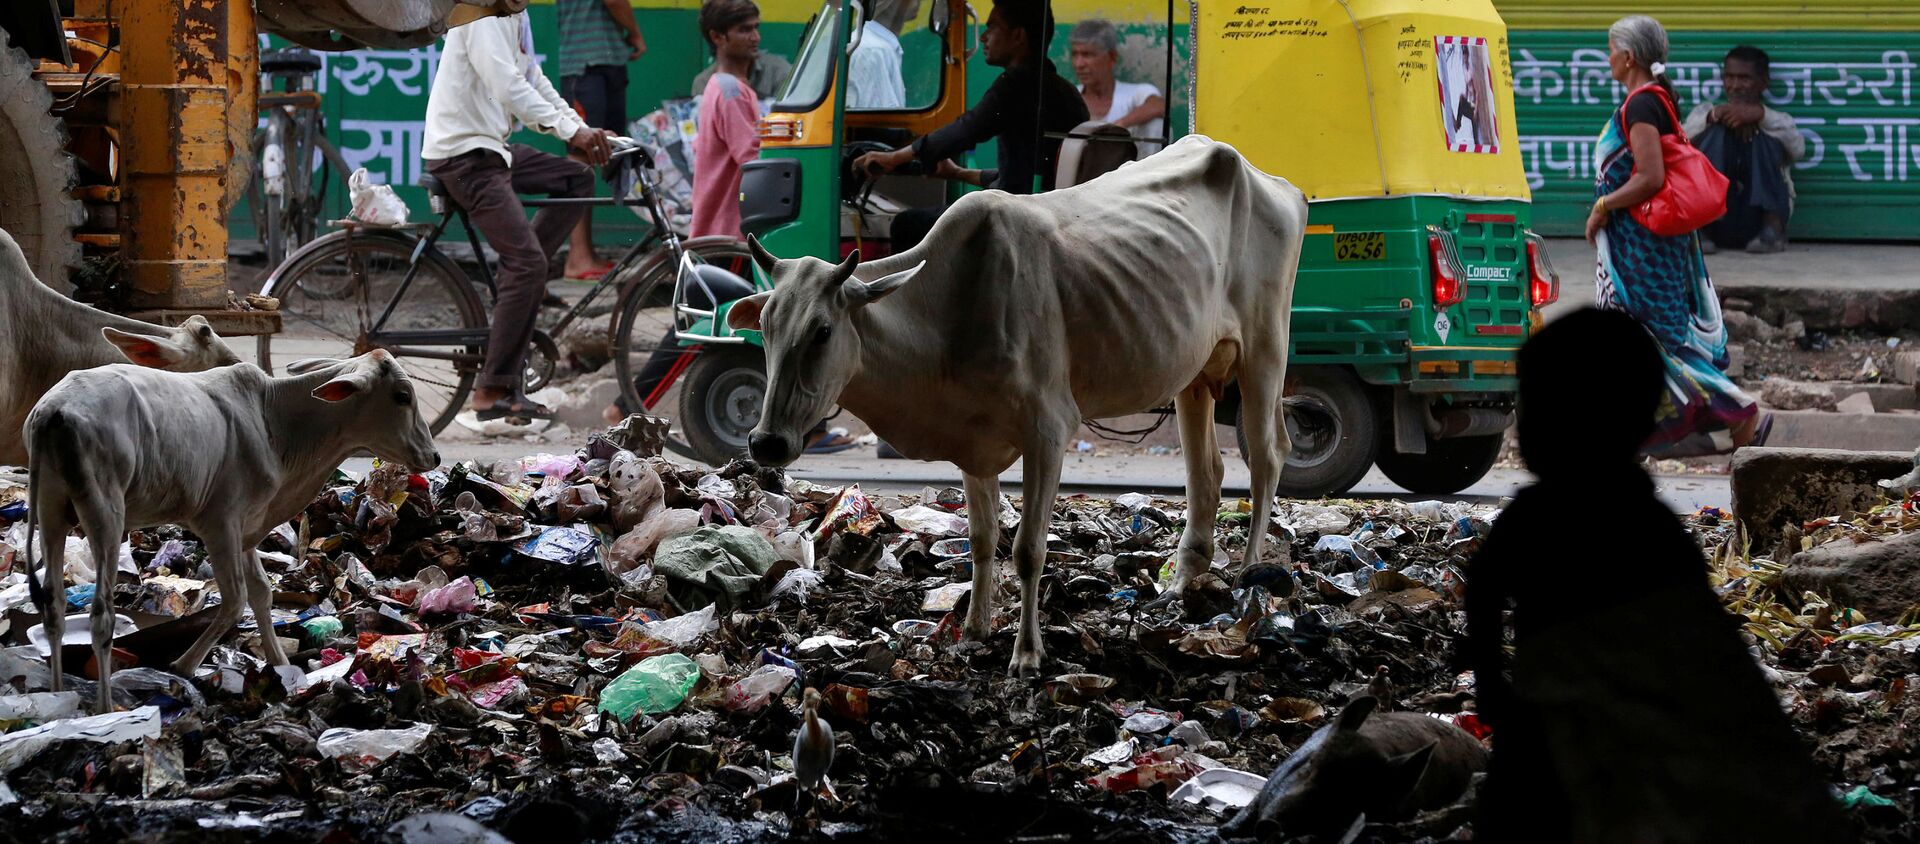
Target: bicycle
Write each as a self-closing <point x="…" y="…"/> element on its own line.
<point x="365" y="287"/>
<point x="287" y="199"/>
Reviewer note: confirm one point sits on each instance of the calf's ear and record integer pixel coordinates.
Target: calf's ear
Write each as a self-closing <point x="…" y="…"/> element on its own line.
<point x="154" y="352"/>
<point x="867" y="292"/>
<point x="343" y="387"/>
<point x="745" y="313"/>
<point x="1403" y="777"/>
<point x="1356" y="713"/>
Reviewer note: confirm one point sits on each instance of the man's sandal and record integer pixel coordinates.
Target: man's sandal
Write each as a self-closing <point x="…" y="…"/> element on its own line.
<point x="518" y="411"/>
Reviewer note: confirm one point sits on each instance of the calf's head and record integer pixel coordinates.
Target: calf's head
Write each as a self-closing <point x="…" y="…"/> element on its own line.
<point x="1338" y="774"/>
<point x="376" y="410"/>
<point x="192" y="347"/>
<point x="812" y="343"/>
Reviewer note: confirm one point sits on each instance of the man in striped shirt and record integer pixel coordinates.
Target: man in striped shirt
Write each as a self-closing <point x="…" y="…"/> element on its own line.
<point x="597" y="40"/>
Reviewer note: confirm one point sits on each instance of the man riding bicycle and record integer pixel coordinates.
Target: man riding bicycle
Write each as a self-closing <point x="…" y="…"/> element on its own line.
<point x="488" y="78"/>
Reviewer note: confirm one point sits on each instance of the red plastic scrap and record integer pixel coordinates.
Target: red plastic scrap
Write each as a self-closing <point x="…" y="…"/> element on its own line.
<point x="1168" y="765"/>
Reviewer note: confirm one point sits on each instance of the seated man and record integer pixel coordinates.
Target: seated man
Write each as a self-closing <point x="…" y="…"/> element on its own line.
<point x="487" y="80"/>
<point x="1134" y="106"/>
<point x="1015" y="37"/>
<point x="1755" y="146"/>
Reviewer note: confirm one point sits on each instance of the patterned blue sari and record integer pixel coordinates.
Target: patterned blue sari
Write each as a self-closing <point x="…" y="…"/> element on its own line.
<point x="1662" y="282"/>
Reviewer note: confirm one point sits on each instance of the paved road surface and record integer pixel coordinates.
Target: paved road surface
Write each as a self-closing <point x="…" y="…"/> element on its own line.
<point x="1102" y="475"/>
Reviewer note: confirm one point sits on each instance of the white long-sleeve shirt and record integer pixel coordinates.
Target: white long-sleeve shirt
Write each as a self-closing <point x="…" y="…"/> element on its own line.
<point x="483" y="85"/>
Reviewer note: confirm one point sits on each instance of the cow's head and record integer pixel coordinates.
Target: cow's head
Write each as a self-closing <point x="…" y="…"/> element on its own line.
<point x="379" y="411"/>
<point x="812" y="347"/>
<point x="192" y="347"/>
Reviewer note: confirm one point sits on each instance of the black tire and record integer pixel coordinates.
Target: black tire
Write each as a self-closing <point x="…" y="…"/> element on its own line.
<point x="643" y="317"/>
<point x="725" y="390"/>
<point x="336" y="326"/>
<point x="1449" y="465"/>
<point x="1334" y="428"/>
<point x="37" y="207"/>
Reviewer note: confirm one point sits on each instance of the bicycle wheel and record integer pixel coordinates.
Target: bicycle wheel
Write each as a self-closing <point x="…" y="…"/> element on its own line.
<point x="440" y="297"/>
<point x="643" y="326"/>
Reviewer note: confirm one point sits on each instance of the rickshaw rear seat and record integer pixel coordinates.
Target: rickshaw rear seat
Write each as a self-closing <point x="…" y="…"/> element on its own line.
<point x="1082" y="160"/>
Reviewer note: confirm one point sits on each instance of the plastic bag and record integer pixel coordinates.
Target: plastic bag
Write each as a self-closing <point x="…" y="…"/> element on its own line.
<point x="927" y="521"/>
<point x="658" y="684"/>
<point x="756" y="690"/>
<point x="683" y="630"/>
<point x="375" y="205"/>
<point x="456" y="597"/>
<point x="366" y="748"/>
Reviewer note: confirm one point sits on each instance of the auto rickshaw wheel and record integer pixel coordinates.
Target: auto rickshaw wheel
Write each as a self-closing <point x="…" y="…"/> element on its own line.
<point x="1334" y="430"/>
<point x="720" y="404"/>
<point x="1449" y="465"/>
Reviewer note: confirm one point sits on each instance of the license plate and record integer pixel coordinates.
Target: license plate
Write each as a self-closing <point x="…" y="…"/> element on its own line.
<point x="1359" y="246"/>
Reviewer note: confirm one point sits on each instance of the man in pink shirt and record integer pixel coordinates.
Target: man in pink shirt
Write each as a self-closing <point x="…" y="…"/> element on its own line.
<point x="729" y="133"/>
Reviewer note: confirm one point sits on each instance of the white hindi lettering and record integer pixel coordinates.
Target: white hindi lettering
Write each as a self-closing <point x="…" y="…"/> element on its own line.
<point x="389" y="149"/>
<point x="1583" y="79"/>
<point x="1566" y="156"/>
<point x="1887" y="138"/>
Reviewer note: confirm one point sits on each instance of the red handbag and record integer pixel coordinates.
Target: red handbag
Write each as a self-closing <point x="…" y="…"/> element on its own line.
<point x="1695" y="193"/>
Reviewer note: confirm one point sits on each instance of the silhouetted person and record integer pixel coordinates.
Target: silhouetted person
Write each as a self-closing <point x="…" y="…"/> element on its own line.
<point x="1634" y="711"/>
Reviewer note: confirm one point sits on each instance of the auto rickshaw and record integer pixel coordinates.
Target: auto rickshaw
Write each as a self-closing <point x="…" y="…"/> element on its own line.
<point x="1419" y="279"/>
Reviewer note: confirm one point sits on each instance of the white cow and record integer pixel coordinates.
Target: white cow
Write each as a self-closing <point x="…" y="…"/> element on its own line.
<point x="1019" y="316"/>
<point x="230" y="454"/>
<point x="45" y="335"/>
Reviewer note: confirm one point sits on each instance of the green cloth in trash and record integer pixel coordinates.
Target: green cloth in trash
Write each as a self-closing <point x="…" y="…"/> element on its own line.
<point x="714" y="565"/>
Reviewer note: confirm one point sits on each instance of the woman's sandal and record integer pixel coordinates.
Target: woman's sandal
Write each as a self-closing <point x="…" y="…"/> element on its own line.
<point x="833" y="441"/>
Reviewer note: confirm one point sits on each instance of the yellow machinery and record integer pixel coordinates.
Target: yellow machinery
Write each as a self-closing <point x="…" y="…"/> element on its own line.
<point x="128" y="126"/>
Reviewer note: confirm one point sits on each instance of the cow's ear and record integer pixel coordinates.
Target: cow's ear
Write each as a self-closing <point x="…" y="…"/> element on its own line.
<point x="154" y="352"/>
<point x="866" y="292"/>
<point x="745" y="313"/>
<point x="761" y="257"/>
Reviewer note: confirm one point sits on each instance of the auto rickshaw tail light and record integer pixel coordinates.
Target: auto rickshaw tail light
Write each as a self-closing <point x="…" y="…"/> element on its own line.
<point x="1544" y="287"/>
<point x="1447" y="289"/>
<point x="779" y="127"/>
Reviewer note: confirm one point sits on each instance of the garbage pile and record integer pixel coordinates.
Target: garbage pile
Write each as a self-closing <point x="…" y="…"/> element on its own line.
<point x="608" y="645"/>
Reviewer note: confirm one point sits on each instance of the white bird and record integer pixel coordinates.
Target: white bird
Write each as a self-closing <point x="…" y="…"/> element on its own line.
<point x="813" y="746"/>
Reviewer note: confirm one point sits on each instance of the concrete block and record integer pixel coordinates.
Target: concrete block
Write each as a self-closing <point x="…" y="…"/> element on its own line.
<point x="584" y="403"/>
<point x="1880" y="578"/>
<point x="1888" y="398"/>
<point x="1847" y="431"/>
<point x="1778" y="486"/>
<point x="1858" y="402"/>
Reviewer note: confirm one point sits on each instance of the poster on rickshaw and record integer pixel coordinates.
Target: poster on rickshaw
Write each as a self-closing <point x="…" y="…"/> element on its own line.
<point x="1466" y="94"/>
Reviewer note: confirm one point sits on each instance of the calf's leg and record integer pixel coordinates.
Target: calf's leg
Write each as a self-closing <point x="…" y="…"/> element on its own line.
<point x="1041" y="471"/>
<point x="983" y="523"/>
<point x="227" y="574"/>
<point x="49" y="508"/>
<point x="260" y="597"/>
<point x="104" y="517"/>
<point x="1205" y="471"/>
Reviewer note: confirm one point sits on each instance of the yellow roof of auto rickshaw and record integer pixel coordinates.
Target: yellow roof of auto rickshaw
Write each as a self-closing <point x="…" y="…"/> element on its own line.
<point x="1363" y="98"/>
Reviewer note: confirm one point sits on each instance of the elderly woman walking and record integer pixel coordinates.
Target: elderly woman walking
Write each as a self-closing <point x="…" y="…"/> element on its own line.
<point x="1662" y="281"/>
